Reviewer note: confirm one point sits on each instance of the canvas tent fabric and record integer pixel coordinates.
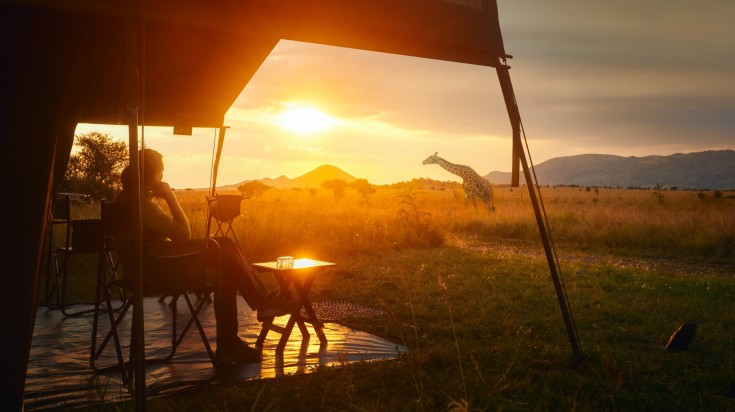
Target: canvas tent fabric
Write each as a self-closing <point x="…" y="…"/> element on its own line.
<point x="180" y="62"/>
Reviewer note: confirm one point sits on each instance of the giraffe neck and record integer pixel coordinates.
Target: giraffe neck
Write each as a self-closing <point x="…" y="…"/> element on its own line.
<point x="452" y="168"/>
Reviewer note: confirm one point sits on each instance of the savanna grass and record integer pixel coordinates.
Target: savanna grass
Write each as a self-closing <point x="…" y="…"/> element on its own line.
<point x="482" y="324"/>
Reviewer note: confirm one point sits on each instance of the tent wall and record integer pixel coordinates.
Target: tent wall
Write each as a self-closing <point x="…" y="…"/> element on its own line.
<point x="41" y="87"/>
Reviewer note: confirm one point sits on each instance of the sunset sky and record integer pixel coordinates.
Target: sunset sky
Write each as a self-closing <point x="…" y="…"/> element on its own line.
<point x="629" y="78"/>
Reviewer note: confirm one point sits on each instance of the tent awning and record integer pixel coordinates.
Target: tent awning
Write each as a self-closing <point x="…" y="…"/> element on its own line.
<point x="198" y="56"/>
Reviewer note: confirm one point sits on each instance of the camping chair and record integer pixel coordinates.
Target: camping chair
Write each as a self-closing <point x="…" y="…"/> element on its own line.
<point x="83" y="236"/>
<point x="60" y="215"/>
<point x="172" y="268"/>
<point x="224" y="209"/>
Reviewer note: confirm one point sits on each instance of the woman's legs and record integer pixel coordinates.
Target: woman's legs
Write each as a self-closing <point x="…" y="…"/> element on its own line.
<point x="238" y="273"/>
<point x="226" y="313"/>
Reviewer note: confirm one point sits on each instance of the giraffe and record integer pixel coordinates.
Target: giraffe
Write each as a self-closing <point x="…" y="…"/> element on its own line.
<point x="475" y="186"/>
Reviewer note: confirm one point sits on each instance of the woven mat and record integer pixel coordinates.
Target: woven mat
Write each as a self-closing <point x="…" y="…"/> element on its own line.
<point x="338" y="310"/>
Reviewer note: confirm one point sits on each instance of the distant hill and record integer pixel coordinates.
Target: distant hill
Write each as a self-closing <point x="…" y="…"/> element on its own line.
<point x="311" y="179"/>
<point x="713" y="169"/>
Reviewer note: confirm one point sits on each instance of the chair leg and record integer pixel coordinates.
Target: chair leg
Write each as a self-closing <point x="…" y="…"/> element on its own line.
<point x="95" y="321"/>
<point x="50" y="270"/>
<point x="61" y="282"/>
<point x="96" y="352"/>
<point x="115" y="278"/>
<point x="99" y="284"/>
<point x="194" y="311"/>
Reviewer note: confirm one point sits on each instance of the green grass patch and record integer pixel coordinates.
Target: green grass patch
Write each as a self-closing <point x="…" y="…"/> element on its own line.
<point x="484" y="332"/>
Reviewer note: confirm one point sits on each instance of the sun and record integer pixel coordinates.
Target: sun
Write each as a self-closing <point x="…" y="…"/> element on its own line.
<point x="304" y="119"/>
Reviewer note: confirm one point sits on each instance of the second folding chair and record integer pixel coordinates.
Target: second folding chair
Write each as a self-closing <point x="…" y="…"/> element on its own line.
<point x="81" y="237"/>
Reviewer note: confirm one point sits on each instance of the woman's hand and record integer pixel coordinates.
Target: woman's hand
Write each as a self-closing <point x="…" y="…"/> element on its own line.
<point x="161" y="189"/>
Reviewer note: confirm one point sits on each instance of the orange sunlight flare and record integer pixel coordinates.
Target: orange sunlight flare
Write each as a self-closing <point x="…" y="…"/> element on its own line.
<point x="304" y="119"/>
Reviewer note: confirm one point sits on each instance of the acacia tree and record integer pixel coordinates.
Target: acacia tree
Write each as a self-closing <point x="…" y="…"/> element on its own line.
<point x="363" y="187"/>
<point x="95" y="167"/>
<point x="337" y="186"/>
<point x="253" y="187"/>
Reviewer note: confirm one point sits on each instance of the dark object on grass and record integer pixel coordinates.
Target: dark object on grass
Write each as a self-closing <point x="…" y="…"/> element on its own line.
<point x="681" y="339"/>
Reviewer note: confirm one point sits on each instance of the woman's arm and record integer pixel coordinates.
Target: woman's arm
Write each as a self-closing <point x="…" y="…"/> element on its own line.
<point x="176" y="226"/>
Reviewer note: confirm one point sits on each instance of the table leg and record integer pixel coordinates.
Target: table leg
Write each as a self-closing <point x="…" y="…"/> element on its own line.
<point x="264" y="332"/>
<point x="286" y="334"/>
<point x="303" y="293"/>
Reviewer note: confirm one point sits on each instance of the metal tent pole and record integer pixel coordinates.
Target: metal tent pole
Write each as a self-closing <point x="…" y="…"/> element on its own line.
<point x="137" y="334"/>
<point x="220" y="143"/>
<point x="132" y="102"/>
<point x="215" y="168"/>
<point x="519" y="156"/>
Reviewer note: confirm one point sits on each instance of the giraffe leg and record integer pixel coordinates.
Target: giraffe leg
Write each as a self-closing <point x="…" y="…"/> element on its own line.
<point x="491" y="203"/>
<point x="489" y="206"/>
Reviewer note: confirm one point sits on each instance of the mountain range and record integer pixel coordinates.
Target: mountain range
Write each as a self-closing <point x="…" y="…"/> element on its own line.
<point x="714" y="169"/>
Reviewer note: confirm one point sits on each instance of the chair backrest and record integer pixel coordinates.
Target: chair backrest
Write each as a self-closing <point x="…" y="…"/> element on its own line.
<point x="181" y="265"/>
<point x="62" y="209"/>
<point x="115" y="217"/>
<point x="87" y="236"/>
<point x="61" y="215"/>
<point x="168" y="267"/>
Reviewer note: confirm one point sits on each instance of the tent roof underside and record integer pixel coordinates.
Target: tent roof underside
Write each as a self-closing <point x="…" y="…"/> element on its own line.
<point x="200" y="55"/>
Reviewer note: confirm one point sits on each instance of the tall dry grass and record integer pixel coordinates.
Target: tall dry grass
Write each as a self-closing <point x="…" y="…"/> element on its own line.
<point x="623" y="221"/>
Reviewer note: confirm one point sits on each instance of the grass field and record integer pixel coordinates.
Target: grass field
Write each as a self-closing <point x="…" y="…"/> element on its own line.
<point x="471" y="297"/>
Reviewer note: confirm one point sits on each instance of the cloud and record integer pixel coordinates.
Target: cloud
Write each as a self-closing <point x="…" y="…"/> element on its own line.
<point x="625" y="74"/>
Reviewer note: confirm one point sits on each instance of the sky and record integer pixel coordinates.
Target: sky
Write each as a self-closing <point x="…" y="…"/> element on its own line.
<point x="628" y="78"/>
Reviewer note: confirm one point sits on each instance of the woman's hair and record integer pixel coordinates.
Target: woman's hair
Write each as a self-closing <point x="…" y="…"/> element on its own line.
<point x="152" y="163"/>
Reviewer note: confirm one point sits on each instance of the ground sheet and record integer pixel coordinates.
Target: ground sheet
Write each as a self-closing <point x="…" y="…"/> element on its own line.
<point x="59" y="372"/>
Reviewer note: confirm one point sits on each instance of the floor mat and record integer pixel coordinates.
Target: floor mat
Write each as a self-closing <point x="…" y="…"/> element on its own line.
<point x="59" y="372"/>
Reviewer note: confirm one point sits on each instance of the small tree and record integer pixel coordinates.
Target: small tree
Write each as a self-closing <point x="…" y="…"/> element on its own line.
<point x="95" y="168"/>
<point x="657" y="192"/>
<point x="336" y="185"/>
<point x="253" y="188"/>
<point x="363" y="187"/>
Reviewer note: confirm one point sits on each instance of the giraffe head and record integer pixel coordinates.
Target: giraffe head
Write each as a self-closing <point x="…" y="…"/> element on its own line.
<point x="431" y="160"/>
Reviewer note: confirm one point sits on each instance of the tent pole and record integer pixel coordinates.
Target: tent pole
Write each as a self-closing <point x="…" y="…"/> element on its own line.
<point x="132" y="104"/>
<point x="519" y="155"/>
<point x="515" y="121"/>
<point x="215" y="168"/>
<point x="218" y="154"/>
<point x="137" y="334"/>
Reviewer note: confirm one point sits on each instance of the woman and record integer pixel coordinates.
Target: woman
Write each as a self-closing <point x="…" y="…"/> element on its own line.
<point x="161" y="226"/>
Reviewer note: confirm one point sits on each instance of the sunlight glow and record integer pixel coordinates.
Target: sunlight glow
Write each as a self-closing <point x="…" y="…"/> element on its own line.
<point x="304" y="119"/>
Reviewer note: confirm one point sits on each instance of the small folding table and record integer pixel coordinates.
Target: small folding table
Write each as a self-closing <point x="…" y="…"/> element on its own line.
<point x="301" y="276"/>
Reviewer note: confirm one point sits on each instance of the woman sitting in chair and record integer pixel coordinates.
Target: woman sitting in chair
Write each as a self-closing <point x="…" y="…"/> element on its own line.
<point x="161" y="226"/>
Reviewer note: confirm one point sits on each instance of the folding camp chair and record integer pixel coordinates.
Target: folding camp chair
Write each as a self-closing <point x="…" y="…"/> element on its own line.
<point x="224" y="209"/>
<point x="172" y="268"/>
<point x="59" y="216"/>
<point x="83" y="236"/>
